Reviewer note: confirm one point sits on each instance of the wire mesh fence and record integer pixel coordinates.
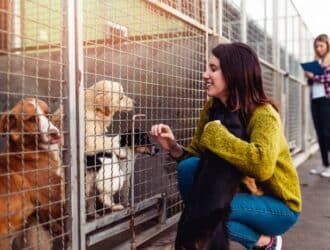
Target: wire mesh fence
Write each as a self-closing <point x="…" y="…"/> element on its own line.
<point x="138" y="63"/>
<point x="294" y="115"/>
<point x="147" y="60"/>
<point x="231" y="19"/>
<point x="32" y="73"/>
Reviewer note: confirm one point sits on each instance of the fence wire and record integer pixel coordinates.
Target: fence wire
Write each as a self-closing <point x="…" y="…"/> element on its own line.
<point x="32" y="176"/>
<point x="141" y="64"/>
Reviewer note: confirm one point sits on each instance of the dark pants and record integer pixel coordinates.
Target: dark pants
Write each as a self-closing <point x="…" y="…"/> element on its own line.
<point x="321" y="118"/>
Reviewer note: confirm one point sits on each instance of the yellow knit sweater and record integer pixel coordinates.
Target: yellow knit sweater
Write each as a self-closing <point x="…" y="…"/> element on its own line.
<point x="266" y="157"/>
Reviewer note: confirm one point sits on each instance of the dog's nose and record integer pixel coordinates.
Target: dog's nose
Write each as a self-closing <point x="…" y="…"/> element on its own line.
<point x="156" y="150"/>
<point x="53" y="133"/>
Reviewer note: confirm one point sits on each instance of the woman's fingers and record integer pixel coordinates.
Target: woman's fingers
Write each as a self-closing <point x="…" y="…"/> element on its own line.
<point x="154" y="130"/>
<point x="159" y="129"/>
<point x="162" y="128"/>
<point x="165" y="135"/>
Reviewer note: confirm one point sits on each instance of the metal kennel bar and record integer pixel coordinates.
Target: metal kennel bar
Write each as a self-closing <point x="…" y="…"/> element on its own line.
<point x="99" y="63"/>
<point x="73" y="83"/>
<point x="34" y="65"/>
<point x="158" y="46"/>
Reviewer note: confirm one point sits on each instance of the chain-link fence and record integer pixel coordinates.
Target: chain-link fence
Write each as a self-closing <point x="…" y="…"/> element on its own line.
<point x="83" y="172"/>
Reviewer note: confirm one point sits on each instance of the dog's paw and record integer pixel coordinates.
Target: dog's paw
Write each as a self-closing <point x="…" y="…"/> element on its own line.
<point x="117" y="207"/>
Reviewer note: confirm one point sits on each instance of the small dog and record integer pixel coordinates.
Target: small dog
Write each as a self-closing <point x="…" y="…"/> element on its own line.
<point x="115" y="173"/>
<point x="203" y="223"/>
<point x="103" y="164"/>
<point x="102" y="101"/>
<point x="29" y="183"/>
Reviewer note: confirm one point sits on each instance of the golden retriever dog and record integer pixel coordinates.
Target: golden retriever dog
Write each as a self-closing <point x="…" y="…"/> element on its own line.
<point x="102" y="100"/>
<point x="29" y="183"/>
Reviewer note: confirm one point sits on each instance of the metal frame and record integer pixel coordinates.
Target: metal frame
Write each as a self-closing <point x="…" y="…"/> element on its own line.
<point x="73" y="81"/>
<point x="81" y="124"/>
<point x="87" y="233"/>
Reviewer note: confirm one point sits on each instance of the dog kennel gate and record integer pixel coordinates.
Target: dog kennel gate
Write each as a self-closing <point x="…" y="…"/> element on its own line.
<point x="157" y="51"/>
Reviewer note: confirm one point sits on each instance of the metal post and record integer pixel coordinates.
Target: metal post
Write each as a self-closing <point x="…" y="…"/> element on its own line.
<point x="70" y="109"/>
<point x="286" y="36"/>
<point x="220" y="21"/>
<point x="275" y="45"/>
<point x="243" y="21"/>
<point x="265" y="32"/>
<point x="214" y="17"/>
<point x="206" y="33"/>
<point x="277" y="79"/>
<point x="285" y="84"/>
<point x="80" y="110"/>
<point x="17" y="31"/>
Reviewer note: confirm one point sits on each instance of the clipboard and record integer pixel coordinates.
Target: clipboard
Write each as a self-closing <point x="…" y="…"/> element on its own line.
<point x="314" y="67"/>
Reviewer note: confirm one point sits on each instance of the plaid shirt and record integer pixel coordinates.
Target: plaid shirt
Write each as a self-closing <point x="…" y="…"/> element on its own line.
<point x="325" y="79"/>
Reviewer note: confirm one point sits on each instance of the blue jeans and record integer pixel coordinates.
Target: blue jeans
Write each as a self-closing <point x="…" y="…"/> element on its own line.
<point x="251" y="217"/>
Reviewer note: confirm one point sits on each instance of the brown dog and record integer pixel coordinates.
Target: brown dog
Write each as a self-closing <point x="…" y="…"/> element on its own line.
<point x="29" y="183"/>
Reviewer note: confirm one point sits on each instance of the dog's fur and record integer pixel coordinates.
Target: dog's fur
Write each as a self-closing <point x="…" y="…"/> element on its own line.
<point x="102" y="100"/>
<point x="115" y="173"/>
<point x="203" y="224"/>
<point x="105" y="171"/>
<point x="29" y="183"/>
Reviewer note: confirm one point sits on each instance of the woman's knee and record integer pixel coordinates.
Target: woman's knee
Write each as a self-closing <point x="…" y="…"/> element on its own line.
<point x="259" y="212"/>
<point x="187" y="167"/>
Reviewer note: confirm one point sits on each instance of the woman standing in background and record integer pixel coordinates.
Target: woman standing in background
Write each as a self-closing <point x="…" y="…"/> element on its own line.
<point x="320" y="94"/>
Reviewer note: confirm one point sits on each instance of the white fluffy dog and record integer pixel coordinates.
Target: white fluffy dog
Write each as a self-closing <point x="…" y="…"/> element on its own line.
<point x="115" y="173"/>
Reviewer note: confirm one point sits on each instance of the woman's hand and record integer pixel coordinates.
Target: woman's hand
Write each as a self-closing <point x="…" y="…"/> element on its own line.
<point x="309" y="75"/>
<point x="163" y="134"/>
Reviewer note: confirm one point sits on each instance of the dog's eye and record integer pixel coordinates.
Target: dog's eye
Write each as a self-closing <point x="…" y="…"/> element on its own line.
<point x="121" y="98"/>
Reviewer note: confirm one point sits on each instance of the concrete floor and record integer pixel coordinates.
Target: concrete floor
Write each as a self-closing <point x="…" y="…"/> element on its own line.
<point x="313" y="228"/>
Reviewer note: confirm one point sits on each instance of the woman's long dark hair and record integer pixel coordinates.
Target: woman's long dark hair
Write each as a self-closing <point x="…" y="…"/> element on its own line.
<point x="241" y="70"/>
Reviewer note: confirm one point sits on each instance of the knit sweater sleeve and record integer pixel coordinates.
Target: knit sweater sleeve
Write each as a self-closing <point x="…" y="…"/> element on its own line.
<point x="256" y="158"/>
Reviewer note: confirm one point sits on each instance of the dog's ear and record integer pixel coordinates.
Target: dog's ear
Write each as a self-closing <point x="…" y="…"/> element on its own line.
<point x="7" y="121"/>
